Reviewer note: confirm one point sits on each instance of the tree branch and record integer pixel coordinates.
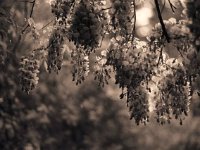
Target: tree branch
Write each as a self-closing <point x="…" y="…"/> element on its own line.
<point x="161" y="21"/>
<point x="32" y="8"/>
<point x="134" y="25"/>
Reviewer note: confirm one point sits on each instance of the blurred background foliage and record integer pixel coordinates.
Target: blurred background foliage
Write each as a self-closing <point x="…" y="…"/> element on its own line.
<point x="58" y="115"/>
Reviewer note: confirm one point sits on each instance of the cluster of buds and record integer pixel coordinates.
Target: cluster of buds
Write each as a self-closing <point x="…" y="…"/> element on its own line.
<point x="80" y="68"/>
<point x="28" y="73"/>
<point x="32" y="26"/>
<point x="55" y="51"/>
<point x="87" y="25"/>
<point x="102" y="70"/>
<point x="61" y="9"/>
<point x="123" y="18"/>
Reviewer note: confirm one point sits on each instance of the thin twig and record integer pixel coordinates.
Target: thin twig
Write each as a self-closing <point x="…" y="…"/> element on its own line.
<point x="22" y="32"/>
<point x="32" y="8"/>
<point x="47" y="24"/>
<point x="106" y="8"/>
<point x="172" y="6"/>
<point x="180" y="52"/>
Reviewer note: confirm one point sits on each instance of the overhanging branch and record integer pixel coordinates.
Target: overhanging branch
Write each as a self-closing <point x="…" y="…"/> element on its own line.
<point x="161" y="21"/>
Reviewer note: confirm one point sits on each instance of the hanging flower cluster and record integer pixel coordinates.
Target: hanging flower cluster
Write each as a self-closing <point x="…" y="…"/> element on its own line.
<point x="173" y="97"/>
<point x="87" y="25"/>
<point x="28" y="73"/>
<point x="80" y="65"/>
<point x="61" y="9"/>
<point x="137" y="101"/>
<point x="131" y="61"/>
<point x="55" y="51"/>
<point x="122" y="18"/>
<point x="134" y="65"/>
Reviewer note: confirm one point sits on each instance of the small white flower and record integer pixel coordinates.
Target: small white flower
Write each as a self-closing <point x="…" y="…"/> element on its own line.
<point x="98" y="58"/>
<point x="102" y="61"/>
<point x="104" y="53"/>
<point x="103" y="2"/>
<point x="86" y="58"/>
<point x="172" y="20"/>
